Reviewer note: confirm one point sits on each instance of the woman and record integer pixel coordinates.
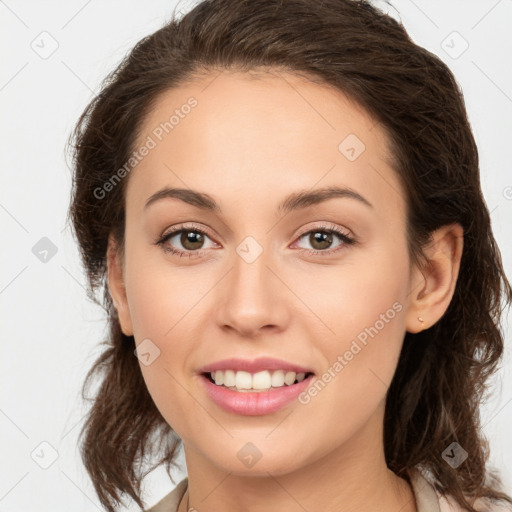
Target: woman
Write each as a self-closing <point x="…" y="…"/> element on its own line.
<point x="281" y="204"/>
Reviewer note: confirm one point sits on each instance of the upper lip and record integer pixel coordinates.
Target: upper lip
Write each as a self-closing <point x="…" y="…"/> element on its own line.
<point x="254" y="366"/>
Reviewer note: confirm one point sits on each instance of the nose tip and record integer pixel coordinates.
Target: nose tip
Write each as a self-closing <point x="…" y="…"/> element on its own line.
<point x="251" y="301"/>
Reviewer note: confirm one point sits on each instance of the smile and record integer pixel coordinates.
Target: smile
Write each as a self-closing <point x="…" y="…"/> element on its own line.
<point x="246" y="399"/>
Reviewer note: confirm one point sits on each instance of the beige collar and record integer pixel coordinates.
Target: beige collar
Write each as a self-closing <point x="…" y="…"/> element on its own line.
<point x="424" y="493"/>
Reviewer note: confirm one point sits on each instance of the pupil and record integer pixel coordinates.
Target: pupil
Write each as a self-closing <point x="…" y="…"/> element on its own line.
<point x="325" y="239"/>
<point x="189" y="238"/>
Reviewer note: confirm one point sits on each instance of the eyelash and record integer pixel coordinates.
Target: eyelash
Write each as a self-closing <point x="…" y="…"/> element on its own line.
<point x="331" y="229"/>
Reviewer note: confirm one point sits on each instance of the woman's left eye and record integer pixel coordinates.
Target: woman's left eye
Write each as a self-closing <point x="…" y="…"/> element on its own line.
<point x="192" y="241"/>
<point x="320" y="238"/>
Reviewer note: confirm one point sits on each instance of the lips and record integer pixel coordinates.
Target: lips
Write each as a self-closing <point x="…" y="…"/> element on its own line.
<point x="254" y="366"/>
<point x="254" y="403"/>
<point x="251" y="402"/>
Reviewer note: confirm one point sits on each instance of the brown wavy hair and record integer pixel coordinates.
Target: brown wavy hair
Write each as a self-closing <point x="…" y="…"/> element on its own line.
<point x="440" y="380"/>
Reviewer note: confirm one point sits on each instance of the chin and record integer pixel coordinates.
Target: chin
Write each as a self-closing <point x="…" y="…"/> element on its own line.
<point x="248" y="461"/>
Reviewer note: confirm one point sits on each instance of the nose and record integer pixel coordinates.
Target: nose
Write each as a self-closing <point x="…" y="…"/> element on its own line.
<point x="253" y="299"/>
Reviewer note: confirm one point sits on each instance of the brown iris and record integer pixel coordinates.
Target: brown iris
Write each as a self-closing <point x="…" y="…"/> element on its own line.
<point x="190" y="240"/>
<point x="322" y="237"/>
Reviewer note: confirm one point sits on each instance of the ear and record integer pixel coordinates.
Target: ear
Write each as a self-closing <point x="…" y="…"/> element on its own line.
<point x="432" y="286"/>
<point x="116" y="286"/>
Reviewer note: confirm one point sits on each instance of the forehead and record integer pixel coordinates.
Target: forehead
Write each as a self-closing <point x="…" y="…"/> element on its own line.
<point x="244" y="136"/>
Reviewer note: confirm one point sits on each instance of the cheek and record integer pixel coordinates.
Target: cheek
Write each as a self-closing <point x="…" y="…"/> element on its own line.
<point x="359" y="367"/>
<point x="363" y="299"/>
<point x="363" y="306"/>
<point x="162" y="305"/>
<point x="378" y="319"/>
<point x="158" y="330"/>
<point x="159" y="296"/>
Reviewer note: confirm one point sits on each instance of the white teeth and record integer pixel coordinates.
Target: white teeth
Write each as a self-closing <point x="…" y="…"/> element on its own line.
<point x="229" y="378"/>
<point x="278" y="379"/>
<point x="243" y="380"/>
<point x="260" y="381"/>
<point x="289" y="378"/>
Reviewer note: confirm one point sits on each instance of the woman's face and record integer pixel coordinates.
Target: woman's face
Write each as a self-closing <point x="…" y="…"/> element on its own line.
<point x="267" y="278"/>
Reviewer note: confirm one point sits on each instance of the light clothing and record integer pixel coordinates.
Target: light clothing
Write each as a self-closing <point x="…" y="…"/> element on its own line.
<point x="427" y="498"/>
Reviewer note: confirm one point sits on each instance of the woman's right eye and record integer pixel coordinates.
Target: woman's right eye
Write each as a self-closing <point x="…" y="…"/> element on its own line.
<point x="190" y="239"/>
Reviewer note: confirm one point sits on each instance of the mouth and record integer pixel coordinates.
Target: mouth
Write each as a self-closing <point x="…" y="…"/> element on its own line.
<point x="257" y="394"/>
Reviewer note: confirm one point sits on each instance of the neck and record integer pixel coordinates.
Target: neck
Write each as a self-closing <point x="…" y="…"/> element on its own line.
<point x="398" y="496"/>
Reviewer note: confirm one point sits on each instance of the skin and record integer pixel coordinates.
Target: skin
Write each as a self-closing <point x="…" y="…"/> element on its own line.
<point x="249" y="143"/>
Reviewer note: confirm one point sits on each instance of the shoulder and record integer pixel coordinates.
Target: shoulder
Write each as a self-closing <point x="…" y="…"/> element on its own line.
<point x="171" y="501"/>
<point x="428" y="498"/>
<point x="447" y="504"/>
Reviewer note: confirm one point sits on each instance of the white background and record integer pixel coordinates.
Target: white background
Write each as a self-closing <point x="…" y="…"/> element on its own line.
<point x="50" y="332"/>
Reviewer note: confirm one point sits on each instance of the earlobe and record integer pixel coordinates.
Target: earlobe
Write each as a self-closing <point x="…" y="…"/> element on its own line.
<point x="117" y="287"/>
<point x="433" y="286"/>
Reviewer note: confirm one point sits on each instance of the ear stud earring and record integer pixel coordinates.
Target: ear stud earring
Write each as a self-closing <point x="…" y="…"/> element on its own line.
<point x="422" y="322"/>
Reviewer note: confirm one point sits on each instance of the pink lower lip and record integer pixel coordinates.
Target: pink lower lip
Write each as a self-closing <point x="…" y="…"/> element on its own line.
<point x="257" y="403"/>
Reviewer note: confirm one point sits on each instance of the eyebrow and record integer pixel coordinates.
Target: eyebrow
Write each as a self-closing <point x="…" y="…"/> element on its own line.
<point x="295" y="201"/>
